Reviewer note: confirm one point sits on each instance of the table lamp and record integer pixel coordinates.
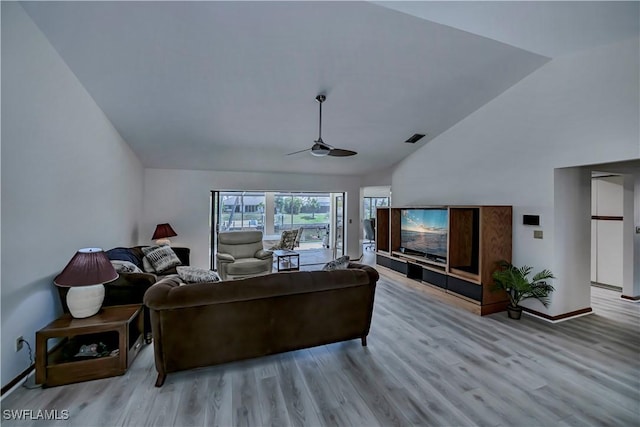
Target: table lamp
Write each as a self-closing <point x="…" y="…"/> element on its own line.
<point x="162" y="234"/>
<point x="84" y="275"/>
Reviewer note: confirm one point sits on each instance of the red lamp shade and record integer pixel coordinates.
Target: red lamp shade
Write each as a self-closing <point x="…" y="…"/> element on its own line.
<point x="163" y="231"/>
<point x="89" y="266"/>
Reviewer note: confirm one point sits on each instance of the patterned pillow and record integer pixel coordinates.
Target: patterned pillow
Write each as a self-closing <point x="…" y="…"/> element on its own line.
<point x="197" y="275"/>
<point x="161" y="258"/>
<point x="341" y="263"/>
<point x="146" y="265"/>
<point x="287" y="240"/>
<point x="125" y="267"/>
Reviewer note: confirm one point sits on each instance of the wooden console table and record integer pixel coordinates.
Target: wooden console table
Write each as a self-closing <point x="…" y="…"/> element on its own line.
<point x="122" y="324"/>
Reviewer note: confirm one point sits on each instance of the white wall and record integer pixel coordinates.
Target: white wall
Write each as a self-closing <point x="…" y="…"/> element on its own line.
<point x="68" y="181"/>
<point x="634" y="290"/>
<point x="381" y="178"/>
<point x="631" y="243"/>
<point x="575" y="110"/>
<point x="379" y="191"/>
<point x="182" y="198"/>
<point x="572" y="242"/>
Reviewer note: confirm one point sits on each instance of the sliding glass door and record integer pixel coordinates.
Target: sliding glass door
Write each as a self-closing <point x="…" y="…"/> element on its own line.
<point x="338" y="235"/>
<point x="317" y="216"/>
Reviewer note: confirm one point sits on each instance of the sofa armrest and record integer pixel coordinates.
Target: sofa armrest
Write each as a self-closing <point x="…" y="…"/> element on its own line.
<point x="225" y="257"/>
<point x="133" y="279"/>
<point x="371" y="272"/>
<point x="262" y="254"/>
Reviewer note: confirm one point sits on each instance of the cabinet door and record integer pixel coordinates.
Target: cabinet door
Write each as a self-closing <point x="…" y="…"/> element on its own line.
<point x="609" y="255"/>
<point x="594" y="250"/>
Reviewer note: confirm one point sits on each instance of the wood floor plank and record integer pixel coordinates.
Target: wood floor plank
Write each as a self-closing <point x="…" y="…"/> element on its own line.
<point x="297" y="399"/>
<point x="245" y="402"/>
<point x="326" y="403"/>
<point x="192" y="407"/>
<point x="272" y="405"/>
<point x="219" y="408"/>
<point x="427" y="363"/>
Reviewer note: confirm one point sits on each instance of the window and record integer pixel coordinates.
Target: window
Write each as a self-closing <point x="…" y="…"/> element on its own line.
<point x="241" y="210"/>
<point x="295" y="210"/>
<point x="372" y="203"/>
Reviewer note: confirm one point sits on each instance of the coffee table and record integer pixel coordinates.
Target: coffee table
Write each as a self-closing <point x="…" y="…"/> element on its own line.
<point x="287" y="260"/>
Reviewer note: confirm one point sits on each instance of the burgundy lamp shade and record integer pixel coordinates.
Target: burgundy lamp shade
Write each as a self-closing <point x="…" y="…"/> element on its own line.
<point x="89" y="266"/>
<point x="163" y="231"/>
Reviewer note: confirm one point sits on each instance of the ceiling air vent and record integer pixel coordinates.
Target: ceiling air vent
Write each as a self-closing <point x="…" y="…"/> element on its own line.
<point x="415" y="138"/>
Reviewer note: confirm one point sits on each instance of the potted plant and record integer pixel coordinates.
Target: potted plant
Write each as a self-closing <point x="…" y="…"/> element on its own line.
<point x="516" y="283"/>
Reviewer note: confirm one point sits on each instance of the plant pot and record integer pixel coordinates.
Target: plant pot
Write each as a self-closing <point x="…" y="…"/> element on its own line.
<point x="514" y="312"/>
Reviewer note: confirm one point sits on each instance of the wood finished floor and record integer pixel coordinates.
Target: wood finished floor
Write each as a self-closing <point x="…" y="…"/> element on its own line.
<point x="427" y="363"/>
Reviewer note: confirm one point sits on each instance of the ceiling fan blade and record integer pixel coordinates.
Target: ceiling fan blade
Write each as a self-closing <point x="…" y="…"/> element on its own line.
<point x="297" y="152"/>
<point x="339" y="152"/>
<point x="321" y="148"/>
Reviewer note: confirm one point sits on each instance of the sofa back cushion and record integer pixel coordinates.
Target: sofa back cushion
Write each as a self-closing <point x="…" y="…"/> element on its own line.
<point x="167" y="293"/>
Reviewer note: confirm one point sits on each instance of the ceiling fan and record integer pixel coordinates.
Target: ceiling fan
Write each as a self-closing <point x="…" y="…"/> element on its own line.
<point x="321" y="148"/>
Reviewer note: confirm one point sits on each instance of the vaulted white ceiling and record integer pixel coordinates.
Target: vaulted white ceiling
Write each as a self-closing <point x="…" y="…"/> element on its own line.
<point x="231" y="85"/>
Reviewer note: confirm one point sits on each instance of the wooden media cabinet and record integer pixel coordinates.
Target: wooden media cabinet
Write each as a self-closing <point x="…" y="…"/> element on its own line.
<point x="478" y="237"/>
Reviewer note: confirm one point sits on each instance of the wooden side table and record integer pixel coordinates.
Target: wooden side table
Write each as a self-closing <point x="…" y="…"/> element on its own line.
<point x="122" y="324"/>
<point x="287" y="260"/>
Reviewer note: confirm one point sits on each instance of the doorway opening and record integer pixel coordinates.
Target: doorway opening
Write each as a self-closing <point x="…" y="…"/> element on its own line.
<point x="318" y="218"/>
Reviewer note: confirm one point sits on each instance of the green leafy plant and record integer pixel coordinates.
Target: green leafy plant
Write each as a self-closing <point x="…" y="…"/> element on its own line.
<point x="516" y="283"/>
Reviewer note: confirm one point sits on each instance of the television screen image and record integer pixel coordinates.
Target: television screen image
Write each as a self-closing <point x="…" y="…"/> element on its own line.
<point x="425" y="231"/>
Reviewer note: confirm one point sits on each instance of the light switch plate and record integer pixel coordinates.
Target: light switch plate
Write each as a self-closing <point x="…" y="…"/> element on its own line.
<point x="537" y="234"/>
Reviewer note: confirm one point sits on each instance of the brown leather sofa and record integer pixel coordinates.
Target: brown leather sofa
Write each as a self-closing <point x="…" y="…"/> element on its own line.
<point x="211" y="323"/>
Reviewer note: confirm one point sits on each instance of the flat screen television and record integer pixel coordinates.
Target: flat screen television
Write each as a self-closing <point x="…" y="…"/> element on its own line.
<point x="424" y="232"/>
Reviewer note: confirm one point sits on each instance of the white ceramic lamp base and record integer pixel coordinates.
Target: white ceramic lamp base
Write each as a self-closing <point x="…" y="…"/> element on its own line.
<point x="85" y="301"/>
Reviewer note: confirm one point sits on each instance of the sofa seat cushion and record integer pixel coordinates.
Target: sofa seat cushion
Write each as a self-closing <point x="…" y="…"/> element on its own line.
<point x="246" y="266"/>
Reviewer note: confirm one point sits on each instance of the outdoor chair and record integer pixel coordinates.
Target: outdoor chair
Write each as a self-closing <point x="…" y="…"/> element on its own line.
<point x="287" y="240"/>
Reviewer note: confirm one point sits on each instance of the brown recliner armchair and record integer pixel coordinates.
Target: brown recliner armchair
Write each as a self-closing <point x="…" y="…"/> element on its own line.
<point x="241" y="254"/>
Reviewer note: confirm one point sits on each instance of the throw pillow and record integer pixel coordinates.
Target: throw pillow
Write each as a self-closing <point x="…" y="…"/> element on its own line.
<point x="161" y="258"/>
<point x="197" y="275"/>
<point x="337" y="264"/>
<point x="146" y="265"/>
<point x="124" y="254"/>
<point x="125" y="267"/>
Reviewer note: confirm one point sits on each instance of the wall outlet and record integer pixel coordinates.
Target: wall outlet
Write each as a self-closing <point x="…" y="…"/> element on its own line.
<point x="19" y="343"/>
<point x="537" y="234"/>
